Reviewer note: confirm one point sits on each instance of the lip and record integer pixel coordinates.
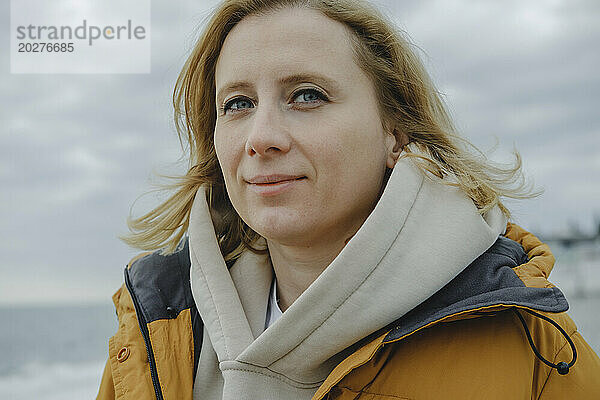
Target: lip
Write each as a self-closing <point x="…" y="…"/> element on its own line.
<point x="273" y="178"/>
<point x="271" y="185"/>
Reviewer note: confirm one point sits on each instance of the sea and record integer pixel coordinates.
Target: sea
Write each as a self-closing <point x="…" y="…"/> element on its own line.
<point x="59" y="352"/>
<point x="54" y="352"/>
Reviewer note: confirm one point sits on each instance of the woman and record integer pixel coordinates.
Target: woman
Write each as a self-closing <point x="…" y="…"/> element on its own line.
<point x="334" y="238"/>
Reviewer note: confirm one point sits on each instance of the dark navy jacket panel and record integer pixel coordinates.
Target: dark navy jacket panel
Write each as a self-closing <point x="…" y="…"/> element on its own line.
<point x="487" y="281"/>
<point x="162" y="287"/>
<point x="161" y="284"/>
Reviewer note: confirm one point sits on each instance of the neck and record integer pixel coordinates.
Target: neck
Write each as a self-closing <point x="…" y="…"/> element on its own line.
<point x="297" y="267"/>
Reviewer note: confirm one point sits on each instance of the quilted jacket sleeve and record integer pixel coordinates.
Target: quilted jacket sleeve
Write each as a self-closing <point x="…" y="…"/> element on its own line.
<point x="582" y="382"/>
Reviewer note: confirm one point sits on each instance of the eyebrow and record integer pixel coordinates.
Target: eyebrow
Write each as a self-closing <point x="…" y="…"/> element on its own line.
<point x="286" y="81"/>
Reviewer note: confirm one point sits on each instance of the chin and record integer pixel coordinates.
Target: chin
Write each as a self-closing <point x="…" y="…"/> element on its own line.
<point x="281" y="233"/>
<point x="290" y="232"/>
<point x="285" y="225"/>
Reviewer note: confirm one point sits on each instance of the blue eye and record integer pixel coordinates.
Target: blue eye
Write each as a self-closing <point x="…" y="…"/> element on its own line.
<point x="238" y="104"/>
<point x="309" y="96"/>
<point x="303" y="96"/>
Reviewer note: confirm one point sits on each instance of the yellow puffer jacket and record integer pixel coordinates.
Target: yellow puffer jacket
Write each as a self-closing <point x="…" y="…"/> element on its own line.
<point x="497" y="331"/>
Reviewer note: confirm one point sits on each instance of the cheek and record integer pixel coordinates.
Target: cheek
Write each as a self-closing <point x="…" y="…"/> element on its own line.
<point x="226" y="151"/>
<point x="357" y="168"/>
<point x="353" y="145"/>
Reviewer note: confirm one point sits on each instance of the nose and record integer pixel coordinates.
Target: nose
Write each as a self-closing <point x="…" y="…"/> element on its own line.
<point x="268" y="135"/>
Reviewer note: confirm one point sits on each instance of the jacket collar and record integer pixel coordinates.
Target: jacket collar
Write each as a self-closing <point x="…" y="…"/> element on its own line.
<point x="496" y="280"/>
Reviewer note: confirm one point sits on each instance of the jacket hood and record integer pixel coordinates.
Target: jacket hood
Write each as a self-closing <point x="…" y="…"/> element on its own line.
<point x="419" y="237"/>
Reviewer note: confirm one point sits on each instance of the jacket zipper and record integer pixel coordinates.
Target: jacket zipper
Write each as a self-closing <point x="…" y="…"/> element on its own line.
<point x="146" y="336"/>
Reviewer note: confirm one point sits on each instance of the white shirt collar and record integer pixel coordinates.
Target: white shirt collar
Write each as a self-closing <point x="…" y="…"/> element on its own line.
<point x="273" y="310"/>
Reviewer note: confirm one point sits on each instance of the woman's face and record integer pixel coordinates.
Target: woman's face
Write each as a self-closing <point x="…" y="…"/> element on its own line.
<point x="297" y="111"/>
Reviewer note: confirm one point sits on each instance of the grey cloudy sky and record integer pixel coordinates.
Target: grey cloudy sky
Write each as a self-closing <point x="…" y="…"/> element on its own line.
<point x="77" y="150"/>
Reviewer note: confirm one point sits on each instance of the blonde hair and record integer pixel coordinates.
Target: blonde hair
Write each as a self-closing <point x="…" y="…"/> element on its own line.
<point x="407" y="98"/>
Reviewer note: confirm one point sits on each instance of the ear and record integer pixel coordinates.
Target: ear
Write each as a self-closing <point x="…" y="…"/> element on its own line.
<point x="395" y="142"/>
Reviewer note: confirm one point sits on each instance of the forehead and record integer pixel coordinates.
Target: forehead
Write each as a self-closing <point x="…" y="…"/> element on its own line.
<point x="283" y="42"/>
